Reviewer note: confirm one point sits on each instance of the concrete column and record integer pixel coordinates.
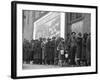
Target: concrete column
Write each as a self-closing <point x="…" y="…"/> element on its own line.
<point x="67" y="25"/>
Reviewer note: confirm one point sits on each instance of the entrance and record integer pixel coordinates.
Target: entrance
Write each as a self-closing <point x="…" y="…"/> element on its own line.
<point x="50" y="25"/>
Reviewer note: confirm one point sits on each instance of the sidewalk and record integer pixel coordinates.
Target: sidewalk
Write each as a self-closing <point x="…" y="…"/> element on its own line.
<point x="38" y="66"/>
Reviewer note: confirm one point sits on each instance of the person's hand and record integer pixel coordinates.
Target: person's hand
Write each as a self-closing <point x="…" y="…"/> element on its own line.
<point x="57" y="49"/>
<point x="66" y="55"/>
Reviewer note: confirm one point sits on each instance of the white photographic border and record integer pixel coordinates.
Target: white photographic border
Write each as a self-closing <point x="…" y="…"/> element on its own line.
<point x="63" y="70"/>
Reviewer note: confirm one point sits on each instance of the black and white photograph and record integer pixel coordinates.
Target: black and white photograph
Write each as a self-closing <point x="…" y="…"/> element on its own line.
<point x="44" y="46"/>
<point x="54" y="39"/>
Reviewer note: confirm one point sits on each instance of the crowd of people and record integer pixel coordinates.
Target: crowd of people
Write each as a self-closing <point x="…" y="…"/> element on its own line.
<point x="75" y="50"/>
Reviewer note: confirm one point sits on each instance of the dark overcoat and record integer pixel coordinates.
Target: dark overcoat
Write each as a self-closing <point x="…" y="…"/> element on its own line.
<point x="84" y="52"/>
<point x="26" y="51"/>
<point x="79" y="47"/>
<point x="53" y="49"/>
<point x="88" y="49"/>
<point x="37" y="50"/>
<point x="43" y="45"/>
<point x="49" y="54"/>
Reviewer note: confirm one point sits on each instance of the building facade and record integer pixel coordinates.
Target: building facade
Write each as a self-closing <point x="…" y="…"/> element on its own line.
<point x="61" y="24"/>
<point x="29" y="17"/>
<point x="77" y="22"/>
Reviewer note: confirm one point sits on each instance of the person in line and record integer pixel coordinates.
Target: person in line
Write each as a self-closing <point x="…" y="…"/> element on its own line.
<point x="43" y="45"/>
<point x="73" y="47"/>
<point x="67" y="43"/>
<point x="84" y="52"/>
<point x="56" y="59"/>
<point x="79" y="48"/>
<point x="61" y="48"/>
<point x="48" y="52"/>
<point x="36" y="61"/>
<point x="53" y="49"/>
<point x="88" y="47"/>
<point x="25" y="51"/>
<point x="39" y="50"/>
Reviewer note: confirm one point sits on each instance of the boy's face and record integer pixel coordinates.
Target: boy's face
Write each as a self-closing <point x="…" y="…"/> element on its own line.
<point x="63" y="40"/>
<point x="73" y="35"/>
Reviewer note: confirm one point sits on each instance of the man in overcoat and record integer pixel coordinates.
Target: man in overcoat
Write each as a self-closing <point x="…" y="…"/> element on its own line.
<point x="43" y="45"/>
<point x="39" y="50"/>
<point x="88" y="47"/>
<point x="73" y="46"/>
<point x="79" y="48"/>
<point x="48" y="51"/>
<point x="53" y="49"/>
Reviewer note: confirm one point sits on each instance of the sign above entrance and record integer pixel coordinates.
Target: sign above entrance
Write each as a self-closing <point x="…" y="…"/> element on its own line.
<point x="48" y="26"/>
